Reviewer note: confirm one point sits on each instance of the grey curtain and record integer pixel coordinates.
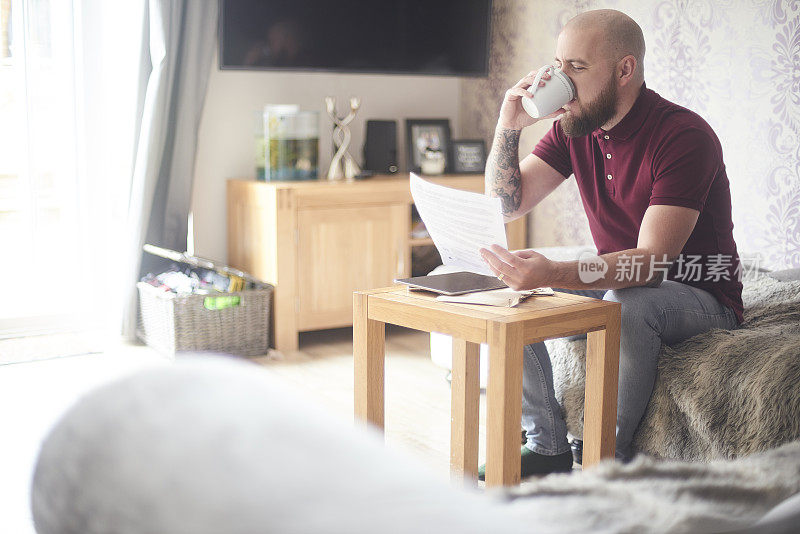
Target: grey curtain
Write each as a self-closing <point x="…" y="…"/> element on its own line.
<point x="177" y="49"/>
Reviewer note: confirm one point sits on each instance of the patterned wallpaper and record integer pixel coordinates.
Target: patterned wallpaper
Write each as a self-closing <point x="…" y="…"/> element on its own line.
<point x="735" y="62"/>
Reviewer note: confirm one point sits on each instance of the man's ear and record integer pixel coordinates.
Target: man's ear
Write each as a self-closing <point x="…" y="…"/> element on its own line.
<point x="626" y="69"/>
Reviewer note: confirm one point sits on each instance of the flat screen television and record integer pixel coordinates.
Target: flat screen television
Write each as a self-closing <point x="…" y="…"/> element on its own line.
<point x="436" y="37"/>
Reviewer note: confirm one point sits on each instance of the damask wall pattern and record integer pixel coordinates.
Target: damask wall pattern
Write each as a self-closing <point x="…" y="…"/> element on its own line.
<point x="735" y="62"/>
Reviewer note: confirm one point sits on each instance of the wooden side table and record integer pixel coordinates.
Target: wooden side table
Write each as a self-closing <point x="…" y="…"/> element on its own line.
<point x="507" y="331"/>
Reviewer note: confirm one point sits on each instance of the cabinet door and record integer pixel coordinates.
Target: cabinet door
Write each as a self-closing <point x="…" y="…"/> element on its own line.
<point x="341" y="250"/>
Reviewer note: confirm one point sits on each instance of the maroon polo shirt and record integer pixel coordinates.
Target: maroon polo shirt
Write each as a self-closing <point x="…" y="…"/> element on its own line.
<point x="659" y="153"/>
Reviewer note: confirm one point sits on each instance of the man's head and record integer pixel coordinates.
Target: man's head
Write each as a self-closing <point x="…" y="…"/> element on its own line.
<point x="602" y="52"/>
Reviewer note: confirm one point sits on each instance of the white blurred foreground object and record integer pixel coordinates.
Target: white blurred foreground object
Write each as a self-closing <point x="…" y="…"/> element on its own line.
<point x="212" y="445"/>
<point x="217" y="445"/>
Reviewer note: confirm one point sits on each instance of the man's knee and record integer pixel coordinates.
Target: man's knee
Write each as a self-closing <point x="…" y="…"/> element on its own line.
<point x="640" y="306"/>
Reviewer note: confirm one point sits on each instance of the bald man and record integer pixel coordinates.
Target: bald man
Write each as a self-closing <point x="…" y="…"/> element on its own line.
<point x="653" y="185"/>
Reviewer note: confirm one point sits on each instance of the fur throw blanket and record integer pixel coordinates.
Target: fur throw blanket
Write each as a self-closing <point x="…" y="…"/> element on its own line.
<point x="720" y="394"/>
<point x="649" y="495"/>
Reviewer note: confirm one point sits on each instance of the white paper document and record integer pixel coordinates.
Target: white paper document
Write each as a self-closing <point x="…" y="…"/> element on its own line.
<point x="498" y="297"/>
<point x="460" y="223"/>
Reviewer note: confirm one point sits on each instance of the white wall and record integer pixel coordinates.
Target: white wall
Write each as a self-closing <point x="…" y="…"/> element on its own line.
<point x="226" y="136"/>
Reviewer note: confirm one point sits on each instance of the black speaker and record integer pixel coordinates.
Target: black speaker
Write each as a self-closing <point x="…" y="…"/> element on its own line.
<point x="380" y="147"/>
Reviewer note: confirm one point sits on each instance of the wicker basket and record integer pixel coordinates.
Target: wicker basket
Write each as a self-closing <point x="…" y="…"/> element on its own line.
<point x="172" y="323"/>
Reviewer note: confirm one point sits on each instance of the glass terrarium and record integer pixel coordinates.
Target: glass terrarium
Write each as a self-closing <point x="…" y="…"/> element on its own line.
<point x="289" y="149"/>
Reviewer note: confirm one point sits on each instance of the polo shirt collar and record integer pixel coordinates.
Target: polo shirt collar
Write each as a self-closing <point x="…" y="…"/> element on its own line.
<point x="634" y="119"/>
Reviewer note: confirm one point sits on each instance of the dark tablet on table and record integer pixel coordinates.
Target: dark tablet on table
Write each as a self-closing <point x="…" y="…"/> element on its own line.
<point x="453" y="283"/>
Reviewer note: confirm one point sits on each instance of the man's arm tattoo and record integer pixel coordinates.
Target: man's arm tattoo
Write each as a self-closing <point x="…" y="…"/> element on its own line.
<point x="503" y="177"/>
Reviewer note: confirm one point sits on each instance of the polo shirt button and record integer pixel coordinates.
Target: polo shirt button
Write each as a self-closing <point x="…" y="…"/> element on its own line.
<point x="609" y="176"/>
<point x="605" y="137"/>
<point x="608" y="156"/>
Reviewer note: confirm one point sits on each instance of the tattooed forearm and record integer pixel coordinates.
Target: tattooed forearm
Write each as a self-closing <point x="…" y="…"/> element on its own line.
<point x="502" y="170"/>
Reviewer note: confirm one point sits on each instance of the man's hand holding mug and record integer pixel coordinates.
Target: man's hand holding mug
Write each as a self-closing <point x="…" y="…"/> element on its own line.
<point x="522" y="106"/>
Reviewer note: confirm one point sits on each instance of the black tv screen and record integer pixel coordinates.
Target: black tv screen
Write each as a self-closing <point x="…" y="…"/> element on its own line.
<point x="438" y="37"/>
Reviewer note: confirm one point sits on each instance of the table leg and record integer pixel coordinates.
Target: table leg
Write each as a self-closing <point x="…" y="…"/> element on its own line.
<point x="504" y="404"/>
<point x="368" y="359"/>
<point x="602" y="375"/>
<point x="464" y="407"/>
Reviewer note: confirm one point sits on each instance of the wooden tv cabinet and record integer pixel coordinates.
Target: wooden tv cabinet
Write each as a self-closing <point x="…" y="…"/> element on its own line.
<point x="319" y="241"/>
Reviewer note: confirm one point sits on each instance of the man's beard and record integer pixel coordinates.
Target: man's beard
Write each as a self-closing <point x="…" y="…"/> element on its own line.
<point x="593" y="115"/>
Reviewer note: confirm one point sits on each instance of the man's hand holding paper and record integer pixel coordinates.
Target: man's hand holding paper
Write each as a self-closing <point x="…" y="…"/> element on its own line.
<point x="519" y="269"/>
<point x="469" y="232"/>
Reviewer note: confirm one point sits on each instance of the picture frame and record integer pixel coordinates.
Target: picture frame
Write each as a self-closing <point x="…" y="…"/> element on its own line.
<point x="422" y="134"/>
<point x="468" y="156"/>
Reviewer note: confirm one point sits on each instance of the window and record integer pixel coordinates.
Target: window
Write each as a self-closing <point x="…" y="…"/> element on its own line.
<point x="40" y="212"/>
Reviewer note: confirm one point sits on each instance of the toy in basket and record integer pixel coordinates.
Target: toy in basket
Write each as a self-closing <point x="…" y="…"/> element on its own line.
<point x="203" y="307"/>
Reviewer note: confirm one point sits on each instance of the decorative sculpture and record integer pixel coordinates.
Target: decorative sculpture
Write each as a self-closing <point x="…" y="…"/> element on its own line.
<point x="342" y="164"/>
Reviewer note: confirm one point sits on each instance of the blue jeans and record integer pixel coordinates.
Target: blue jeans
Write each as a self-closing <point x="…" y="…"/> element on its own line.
<point x="651" y="316"/>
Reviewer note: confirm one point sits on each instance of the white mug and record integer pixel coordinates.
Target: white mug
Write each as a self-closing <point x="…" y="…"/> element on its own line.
<point x="557" y="91"/>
